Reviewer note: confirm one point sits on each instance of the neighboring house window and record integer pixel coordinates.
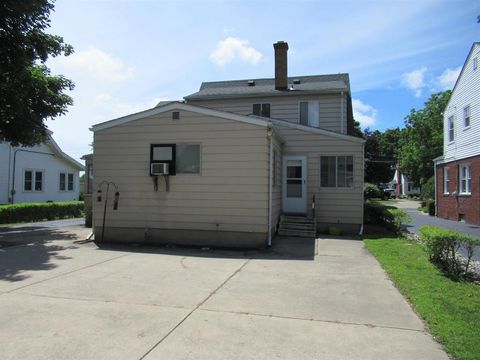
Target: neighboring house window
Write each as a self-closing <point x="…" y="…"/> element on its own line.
<point x="66" y="182"/>
<point x="475" y="63"/>
<point x="309" y="113"/>
<point x="466" y="116"/>
<point x="451" y="129"/>
<point x="336" y="171"/>
<point x="33" y="180"/>
<point x="62" y="182"/>
<point x="465" y="179"/>
<point x="187" y="159"/>
<point x="261" y="110"/>
<point x="446" y="181"/>
<point x="70" y="182"/>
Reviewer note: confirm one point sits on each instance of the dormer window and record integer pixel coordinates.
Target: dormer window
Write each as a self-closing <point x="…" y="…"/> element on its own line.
<point x="261" y="110"/>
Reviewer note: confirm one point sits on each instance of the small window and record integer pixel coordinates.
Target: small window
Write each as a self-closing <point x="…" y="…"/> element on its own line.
<point x="62" y="182"/>
<point x="465" y="179"/>
<point x="446" y="181"/>
<point x="27" y="184"/>
<point x="261" y="110"/>
<point x="38" y="181"/>
<point x="70" y="182"/>
<point x="466" y="116"/>
<point x="451" y="129"/>
<point x="336" y="171"/>
<point x="187" y="159"/>
<point x="309" y="113"/>
<point x="475" y="63"/>
<point x="176" y="115"/>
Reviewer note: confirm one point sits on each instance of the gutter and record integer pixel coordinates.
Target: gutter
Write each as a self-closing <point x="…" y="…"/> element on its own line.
<point x="341" y="112"/>
<point x="270" y="179"/>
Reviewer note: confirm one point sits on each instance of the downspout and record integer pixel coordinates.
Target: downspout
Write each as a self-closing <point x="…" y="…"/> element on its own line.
<point x="9" y="195"/>
<point x="341" y="112"/>
<point x="270" y="179"/>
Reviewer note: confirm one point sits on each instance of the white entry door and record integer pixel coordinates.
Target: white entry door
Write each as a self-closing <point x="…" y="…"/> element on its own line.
<point x="294" y="187"/>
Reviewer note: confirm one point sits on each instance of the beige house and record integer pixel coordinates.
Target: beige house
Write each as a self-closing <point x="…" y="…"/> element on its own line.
<point x="234" y="163"/>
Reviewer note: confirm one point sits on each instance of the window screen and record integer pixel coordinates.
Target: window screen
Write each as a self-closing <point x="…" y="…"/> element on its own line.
<point x="38" y="181"/>
<point x="188" y="159"/>
<point x="70" y="182"/>
<point x="336" y="171"/>
<point x="27" y="186"/>
<point x="62" y="181"/>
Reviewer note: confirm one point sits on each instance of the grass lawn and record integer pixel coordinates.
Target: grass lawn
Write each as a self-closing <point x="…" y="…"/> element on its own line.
<point x="450" y="308"/>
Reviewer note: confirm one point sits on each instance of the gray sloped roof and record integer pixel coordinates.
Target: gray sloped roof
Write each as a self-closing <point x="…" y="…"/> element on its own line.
<point x="266" y="87"/>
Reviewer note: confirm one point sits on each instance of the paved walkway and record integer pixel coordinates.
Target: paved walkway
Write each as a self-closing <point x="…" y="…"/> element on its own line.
<point x="324" y="299"/>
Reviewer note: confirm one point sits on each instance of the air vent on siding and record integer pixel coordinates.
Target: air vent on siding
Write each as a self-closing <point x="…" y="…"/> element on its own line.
<point x="251" y="82"/>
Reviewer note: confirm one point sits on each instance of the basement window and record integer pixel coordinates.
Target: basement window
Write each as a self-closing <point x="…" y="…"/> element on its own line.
<point x="261" y="110"/>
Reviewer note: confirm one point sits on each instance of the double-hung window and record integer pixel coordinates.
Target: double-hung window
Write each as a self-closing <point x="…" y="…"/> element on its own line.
<point x="261" y="110"/>
<point x="33" y="180"/>
<point x="451" y="129"/>
<point x="65" y="181"/>
<point x="465" y="179"/>
<point x="466" y="116"/>
<point x="309" y="113"/>
<point x="446" y="180"/>
<point x="336" y="171"/>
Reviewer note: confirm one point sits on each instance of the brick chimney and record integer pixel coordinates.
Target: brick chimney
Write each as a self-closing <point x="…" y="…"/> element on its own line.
<point x="281" y="77"/>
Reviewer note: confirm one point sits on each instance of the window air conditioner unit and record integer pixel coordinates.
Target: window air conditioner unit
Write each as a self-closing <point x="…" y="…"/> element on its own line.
<point x="159" y="168"/>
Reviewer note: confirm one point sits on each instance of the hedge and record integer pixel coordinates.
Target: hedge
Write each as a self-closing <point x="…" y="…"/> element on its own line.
<point x="30" y="212"/>
<point x="443" y="245"/>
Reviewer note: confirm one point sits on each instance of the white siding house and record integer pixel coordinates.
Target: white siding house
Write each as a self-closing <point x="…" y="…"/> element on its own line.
<point x="37" y="174"/>
<point x="457" y="189"/>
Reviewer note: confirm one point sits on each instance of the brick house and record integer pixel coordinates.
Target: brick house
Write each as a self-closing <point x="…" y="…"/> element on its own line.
<point x="457" y="171"/>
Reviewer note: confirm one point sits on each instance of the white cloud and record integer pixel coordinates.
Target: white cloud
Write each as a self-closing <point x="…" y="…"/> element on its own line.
<point x="98" y="63"/>
<point x="365" y="114"/>
<point x="415" y="80"/>
<point x="109" y="107"/>
<point x="447" y="80"/>
<point x="232" y="49"/>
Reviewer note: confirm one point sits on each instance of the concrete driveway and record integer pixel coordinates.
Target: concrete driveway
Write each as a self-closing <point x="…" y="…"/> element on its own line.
<point x="327" y="299"/>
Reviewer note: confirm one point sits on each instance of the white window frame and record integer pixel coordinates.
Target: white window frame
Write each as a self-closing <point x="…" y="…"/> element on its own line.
<point x="451" y="129"/>
<point x="33" y="181"/>
<point x="67" y="174"/>
<point x="465" y="184"/>
<point x="336" y="172"/>
<point x="311" y="122"/>
<point x="446" y="181"/>
<point x="467" y="115"/>
<point x="199" y="159"/>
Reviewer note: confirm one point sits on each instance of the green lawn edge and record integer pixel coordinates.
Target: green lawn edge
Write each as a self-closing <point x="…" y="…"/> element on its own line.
<point x="451" y="309"/>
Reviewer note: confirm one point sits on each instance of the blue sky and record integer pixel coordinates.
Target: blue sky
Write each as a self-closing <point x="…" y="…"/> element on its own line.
<point x="131" y="54"/>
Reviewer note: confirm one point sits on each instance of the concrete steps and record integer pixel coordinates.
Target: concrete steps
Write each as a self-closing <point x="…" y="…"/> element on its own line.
<point x="296" y="226"/>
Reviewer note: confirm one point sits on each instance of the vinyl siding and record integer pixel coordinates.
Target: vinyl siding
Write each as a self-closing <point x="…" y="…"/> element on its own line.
<point x="277" y="188"/>
<point x="229" y="194"/>
<point x="466" y="92"/>
<point x="287" y="108"/>
<point x="333" y="205"/>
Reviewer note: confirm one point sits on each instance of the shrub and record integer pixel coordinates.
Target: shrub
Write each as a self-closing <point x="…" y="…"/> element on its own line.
<point x="442" y="246"/>
<point x="371" y="191"/>
<point x="431" y="207"/>
<point x="378" y="214"/>
<point x="427" y="189"/>
<point x="30" y="212"/>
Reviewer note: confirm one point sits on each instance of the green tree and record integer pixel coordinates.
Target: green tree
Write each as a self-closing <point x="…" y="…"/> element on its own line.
<point x="390" y="143"/>
<point x="422" y="138"/>
<point x="378" y="166"/>
<point x="29" y="94"/>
